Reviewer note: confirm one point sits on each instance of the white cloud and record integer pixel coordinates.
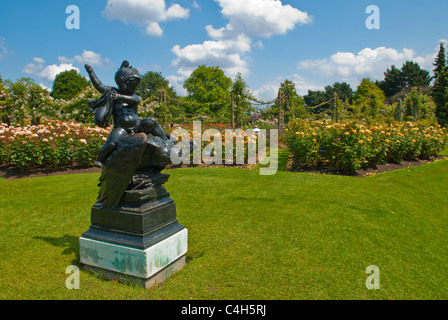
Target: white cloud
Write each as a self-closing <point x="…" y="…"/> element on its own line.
<point x="263" y="18"/>
<point x="177" y="83"/>
<point x="147" y="13"/>
<point x="3" y="49"/>
<point x="226" y="54"/>
<point x="259" y="45"/>
<point x="196" y="4"/>
<point x="154" y="29"/>
<point x="44" y="87"/>
<point x="372" y="63"/>
<point x="38" y="60"/>
<point x="91" y="58"/>
<point x="49" y="72"/>
<point x="65" y="59"/>
<point x="177" y="12"/>
<point x="231" y="44"/>
<point x="269" y="90"/>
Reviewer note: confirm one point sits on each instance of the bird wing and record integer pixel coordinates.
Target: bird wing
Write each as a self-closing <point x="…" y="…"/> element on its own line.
<point x="119" y="168"/>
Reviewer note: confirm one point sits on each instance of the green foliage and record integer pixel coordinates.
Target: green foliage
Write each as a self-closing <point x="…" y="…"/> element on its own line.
<point x="4" y="103"/>
<point x="344" y="91"/>
<point x="240" y="95"/>
<point x="77" y="108"/>
<point x="68" y="84"/>
<point x="54" y="144"/>
<point x="440" y="87"/>
<point x="151" y="84"/>
<point x="402" y="80"/>
<point x="208" y="85"/>
<point x="368" y="99"/>
<point x="391" y="85"/>
<point x="412" y="75"/>
<point x="420" y="103"/>
<point x="24" y="101"/>
<point x="351" y="145"/>
<point x="294" y="105"/>
<point x="314" y="98"/>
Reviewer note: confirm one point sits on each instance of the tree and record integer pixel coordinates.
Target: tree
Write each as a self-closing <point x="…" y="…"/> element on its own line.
<point x="344" y="91"/>
<point x="391" y="84"/>
<point x="401" y="81"/>
<point x="151" y="83"/>
<point x="368" y="99"/>
<point x="314" y="98"/>
<point x="293" y="106"/>
<point x="150" y="87"/>
<point x="418" y="106"/>
<point x="240" y="94"/>
<point x="412" y="75"/>
<point x="68" y="84"/>
<point x="27" y="101"/>
<point x="439" y="94"/>
<point x="5" y="102"/>
<point x="210" y="86"/>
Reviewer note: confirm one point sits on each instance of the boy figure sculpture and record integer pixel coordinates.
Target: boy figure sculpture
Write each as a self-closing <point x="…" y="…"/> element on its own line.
<point x="122" y="104"/>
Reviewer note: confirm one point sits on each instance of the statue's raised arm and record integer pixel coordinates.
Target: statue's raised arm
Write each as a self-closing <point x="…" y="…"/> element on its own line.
<point x="95" y="81"/>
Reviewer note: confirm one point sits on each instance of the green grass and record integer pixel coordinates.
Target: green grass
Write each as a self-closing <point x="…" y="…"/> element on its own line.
<point x="287" y="236"/>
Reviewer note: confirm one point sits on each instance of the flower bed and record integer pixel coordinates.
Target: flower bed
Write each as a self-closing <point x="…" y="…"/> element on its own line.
<point x="350" y="146"/>
<point x="55" y="144"/>
<point x="228" y="146"/>
<point x="58" y="144"/>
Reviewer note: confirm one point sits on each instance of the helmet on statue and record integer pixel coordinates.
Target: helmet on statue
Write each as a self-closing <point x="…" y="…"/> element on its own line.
<point x="126" y="73"/>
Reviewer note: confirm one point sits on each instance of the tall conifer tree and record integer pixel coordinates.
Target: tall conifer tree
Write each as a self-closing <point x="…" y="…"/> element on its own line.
<point x="440" y="88"/>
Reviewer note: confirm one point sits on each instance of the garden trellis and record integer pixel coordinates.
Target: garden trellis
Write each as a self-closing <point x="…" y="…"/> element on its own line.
<point x="336" y="111"/>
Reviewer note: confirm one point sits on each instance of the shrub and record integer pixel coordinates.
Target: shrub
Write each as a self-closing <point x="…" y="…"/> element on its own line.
<point x="54" y="144"/>
<point x="352" y="145"/>
<point x="68" y="84"/>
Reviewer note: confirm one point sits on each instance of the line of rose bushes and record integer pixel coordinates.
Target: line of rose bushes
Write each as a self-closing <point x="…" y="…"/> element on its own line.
<point x="218" y="142"/>
<point x="53" y="144"/>
<point x="352" y="145"/>
<point x="58" y="144"/>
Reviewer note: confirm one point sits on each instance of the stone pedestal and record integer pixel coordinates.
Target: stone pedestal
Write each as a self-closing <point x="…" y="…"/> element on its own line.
<point x="144" y="267"/>
<point x="139" y="241"/>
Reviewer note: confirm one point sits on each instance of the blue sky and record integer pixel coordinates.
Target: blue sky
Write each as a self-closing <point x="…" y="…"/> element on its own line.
<point x="313" y="43"/>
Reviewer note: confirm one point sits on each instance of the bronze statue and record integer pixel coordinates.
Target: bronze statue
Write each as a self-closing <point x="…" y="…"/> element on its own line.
<point x="136" y="151"/>
<point x="134" y="233"/>
<point x="122" y="104"/>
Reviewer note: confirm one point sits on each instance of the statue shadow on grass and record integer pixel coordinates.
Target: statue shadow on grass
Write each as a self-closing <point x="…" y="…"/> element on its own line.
<point x="69" y="243"/>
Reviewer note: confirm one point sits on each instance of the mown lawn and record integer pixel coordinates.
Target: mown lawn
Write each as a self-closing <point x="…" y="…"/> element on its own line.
<point x="287" y="236"/>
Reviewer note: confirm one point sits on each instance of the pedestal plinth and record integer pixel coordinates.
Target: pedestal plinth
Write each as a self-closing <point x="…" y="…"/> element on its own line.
<point x="139" y="241"/>
<point x="144" y="267"/>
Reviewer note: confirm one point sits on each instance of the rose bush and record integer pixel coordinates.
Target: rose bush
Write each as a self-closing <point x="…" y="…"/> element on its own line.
<point x="248" y="139"/>
<point x="353" y="145"/>
<point x="54" y="144"/>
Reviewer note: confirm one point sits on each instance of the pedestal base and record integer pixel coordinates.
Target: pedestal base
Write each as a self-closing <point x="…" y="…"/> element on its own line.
<point x="148" y="267"/>
<point x="149" y="283"/>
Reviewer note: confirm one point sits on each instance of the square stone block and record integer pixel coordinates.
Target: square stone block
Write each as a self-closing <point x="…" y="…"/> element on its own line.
<point x="134" y="262"/>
